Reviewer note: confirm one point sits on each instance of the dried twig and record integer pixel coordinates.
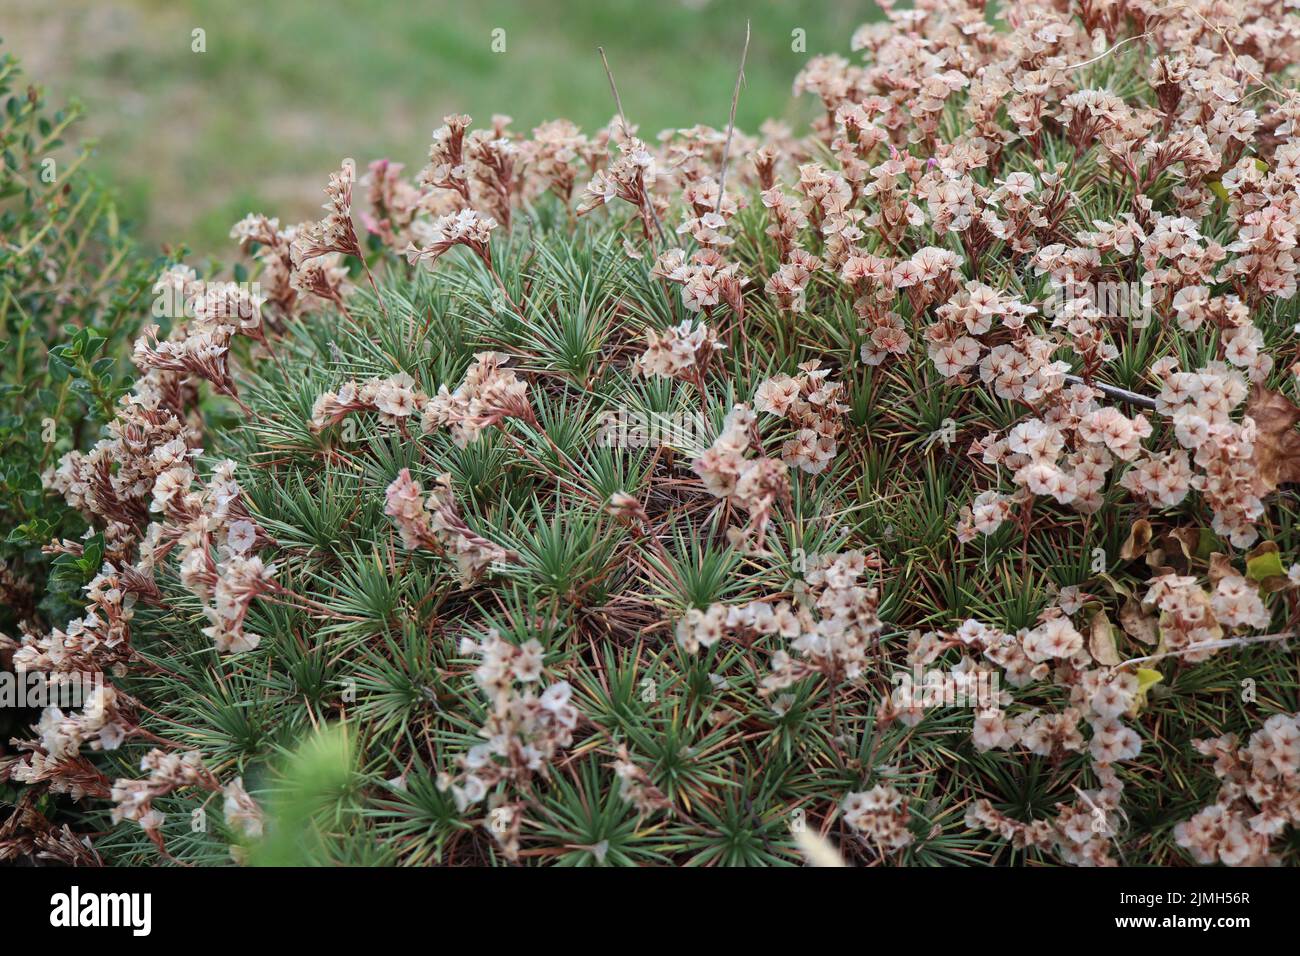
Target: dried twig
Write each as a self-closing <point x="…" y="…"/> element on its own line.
<point x="1103" y="55"/>
<point x="1113" y="391"/>
<point x="622" y="117"/>
<point x="731" y="124"/>
<point x="618" y="102"/>
<point x="1210" y="646"/>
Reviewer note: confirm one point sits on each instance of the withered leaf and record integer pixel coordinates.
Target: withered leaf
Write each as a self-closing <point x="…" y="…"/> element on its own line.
<point x="1139" y="539"/>
<point x="1220" y="567"/>
<point x="1188" y="541"/>
<point x="1277" y="447"/>
<point x="1101" y="640"/>
<point x="1264" y="567"/>
<point x="1137" y="624"/>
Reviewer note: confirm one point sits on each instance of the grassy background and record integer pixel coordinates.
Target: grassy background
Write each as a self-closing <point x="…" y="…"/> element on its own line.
<point x="285" y="90"/>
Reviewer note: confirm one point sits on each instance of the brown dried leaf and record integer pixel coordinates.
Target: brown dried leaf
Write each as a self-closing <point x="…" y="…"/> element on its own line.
<point x="1101" y="640"/>
<point x="1137" y="624"/>
<point x="1220" y="567"/>
<point x="1277" y="448"/>
<point x="1139" y="539"/>
<point x="1188" y="541"/>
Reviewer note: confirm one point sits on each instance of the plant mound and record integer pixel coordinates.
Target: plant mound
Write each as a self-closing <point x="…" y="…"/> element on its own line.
<point x="916" y="490"/>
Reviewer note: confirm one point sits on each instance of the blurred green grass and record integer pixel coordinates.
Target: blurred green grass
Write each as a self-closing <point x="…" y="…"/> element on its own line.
<point x="285" y="90"/>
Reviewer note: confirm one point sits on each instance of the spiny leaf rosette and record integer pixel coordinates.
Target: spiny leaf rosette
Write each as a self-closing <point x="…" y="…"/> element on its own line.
<point x="931" y="489"/>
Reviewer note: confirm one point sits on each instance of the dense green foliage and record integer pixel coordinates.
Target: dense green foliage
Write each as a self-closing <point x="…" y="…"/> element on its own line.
<point x="73" y="292"/>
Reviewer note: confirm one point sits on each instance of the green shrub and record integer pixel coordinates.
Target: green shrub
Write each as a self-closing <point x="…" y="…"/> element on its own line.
<point x="614" y="536"/>
<point x="73" y="292"/>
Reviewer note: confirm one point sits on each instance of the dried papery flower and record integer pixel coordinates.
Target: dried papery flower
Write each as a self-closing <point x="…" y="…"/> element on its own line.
<point x="524" y="730"/>
<point x="468" y="228"/>
<point x="1259" y="796"/>
<point x="322" y="277"/>
<point x="447" y="168"/>
<point x="241" y="811"/>
<point x="435" y="523"/>
<point x="492" y="163"/>
<point x="707" y="214"/>
<point x="1081" y="831"/>
<point x="334" y="233"/>
<point x="630" y="178"/>
<point x="830" y="633"/>
<point x="812" y="405"/>
<point x="394" y="203"/>
<point x="753" y="484"/>
<point x="395" y="399"/>
<point x="274" y="253"/>
<point x="707" y="280"/>
<point x="203" y="353"/>
<point x="789" y="220"/>
<point x="880" y="817"/>
<point x="682" y="351"/>
<point x="27" y="834"/>
<point x="215" y="533"/>
<point x="636" y="787"/>
<point x="239" y="580"/>
<point x="489" y="394"/>
<point x="103" y="724"/>
<point x="167" y="772"/>
<point x="555" y="151"/>
<point x="74" y="775"/>
<point x="833" y="630"/>
<point x="95" y="643"/>
<point x="626" y="507"/>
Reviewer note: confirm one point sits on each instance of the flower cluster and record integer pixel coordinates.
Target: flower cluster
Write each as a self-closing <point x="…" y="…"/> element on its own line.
<point x="788" y="285"/>
<point x="1037" y="453"/>
<point x="682" y="351"/>
<point x="395" y="399"/>
<point x="334" y="233"/>
<point x="289" y="281"/>
<point x="706" y="278"/>
<point x="1259" y="795"/>
<point x="630" y="178"/>
<point x="216" y="536"/>
<point x="831" y="629"/>
<point x="435" y="522"/>
<point x="636" y="787"/>
<point x="1081" y="831"/>
<point x="523" y="732"/>
<point x="169" y="772"/>
<point x="880" y="817"/>
<point x="136" y="485"/>
<point x="101" y="724"/>
<point x="468" y="228"/>
<point x="839" y="623"/>
<point x="755" y="485"/>
<point x="98" y="641"/>
<point x="489" y="394"/>
<point x="1200" y="406"/>
<point x="812" y="405"/>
